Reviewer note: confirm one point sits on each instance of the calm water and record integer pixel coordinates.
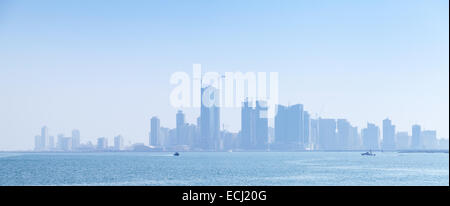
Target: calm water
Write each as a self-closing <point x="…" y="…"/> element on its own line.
<point x="290" y="168"/>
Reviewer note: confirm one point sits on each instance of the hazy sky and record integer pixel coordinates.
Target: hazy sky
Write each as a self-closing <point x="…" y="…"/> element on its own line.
<point x="103" y="67"/>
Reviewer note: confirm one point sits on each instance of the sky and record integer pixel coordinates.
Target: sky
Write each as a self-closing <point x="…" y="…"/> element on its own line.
<point x="103" y="67"/>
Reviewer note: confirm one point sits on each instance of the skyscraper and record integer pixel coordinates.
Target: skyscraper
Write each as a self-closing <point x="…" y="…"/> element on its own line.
<point x="314" y="133"/>
<point x="75" y="139"/>
<point x="343" y="134"/>
<point x="246" y="125"/>
<point x="289" y="126"/>
<point x="154" y="137"/>
<point x="355" y="140"/>
<point x="44" y="138"/>
<point x="388" y="135"/>
<point x="429" y="140"/>
<point x="118" y="142"/>
<point x="102" y="143"/>
<point x="254" y="125"/>
<point x="210" y="118"/>
<point x="327" y="134"/>
<point x="64" y="143"/>
<point x="181" y="125"/>
<point x="416" y="142"/>
<point x="51" y="142"/>
<point x="403" y="140"/>
<point x="37" y="143"/>
<point x="371" y="137"/>
<point x="306" y="130"/>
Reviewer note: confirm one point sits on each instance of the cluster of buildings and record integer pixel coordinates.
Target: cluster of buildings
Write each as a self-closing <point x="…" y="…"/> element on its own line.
<point x="294" y="130"/>
<point x="46" y="142"/>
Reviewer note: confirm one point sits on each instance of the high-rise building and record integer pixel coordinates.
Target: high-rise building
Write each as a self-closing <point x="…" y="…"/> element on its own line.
<point x="75" y="139"/>
<point x="154" y="137"/>
<point x="388" y="135"/>
<point x="416" y="142"/>
<point x="43" y="140"/>
<point x="289" y="125"/>
<point x="443" y="144"/>
<point x="281" y="124"/>
<point x="118" y="142"/>
<point x="102" y="143"/>
<point x="190" y="134"/>
<point x="64" y="143"/>
<point x="246" y="125"/>
<point x="355" y="140"/>
<point x="181" y="126"/>
<point x="210" y="118"/>
<point x="327" y="134"/>
<point x="254" y="125"/>
<point x="371" y="137"/>
<point x="403" y="140"/>
<point x="37" y="143"/>
<point x="163" y="138"/>
<point x="314" y="134"/>
<point x="344" y="141"/>
<point x="429" y="140"/>
<point x="51" y="143"/>
<point x="306" y="130"/>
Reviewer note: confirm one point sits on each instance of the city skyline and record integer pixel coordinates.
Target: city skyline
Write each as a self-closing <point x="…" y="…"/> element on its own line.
<point x="106" y="70"/>
<point x="294" y="130"/>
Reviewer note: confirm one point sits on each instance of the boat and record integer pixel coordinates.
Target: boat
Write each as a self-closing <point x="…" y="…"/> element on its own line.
<point x="176" y="154"/>
<point x="369" y="153"/>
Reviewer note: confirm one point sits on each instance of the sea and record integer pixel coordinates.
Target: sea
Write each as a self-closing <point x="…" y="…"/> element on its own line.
<point x="224" y="168"/>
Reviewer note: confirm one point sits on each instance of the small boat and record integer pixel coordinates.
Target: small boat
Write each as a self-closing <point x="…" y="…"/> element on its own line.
<point x="369" y="153"/>
<point x="176" y="154"/>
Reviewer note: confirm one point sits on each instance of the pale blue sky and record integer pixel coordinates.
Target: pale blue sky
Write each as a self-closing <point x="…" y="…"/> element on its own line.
<point x="104" y="66"/>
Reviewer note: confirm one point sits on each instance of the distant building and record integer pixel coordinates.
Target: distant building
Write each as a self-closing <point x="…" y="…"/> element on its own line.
<point x="289" y="126"/>
<point x="443" y="143"/>
<point x="102" y="143"/>
<point x="306" y="130"/>
<point x="327" y="134"/>
<point x="180" y="127"/>
<point x="41" y="141"/>
<point x="416" y="142"/>
<point x="314" y="134"/>
<point x="429" y="140"/>
<point x="254" y="126"/>
<point x="75" y="139"/>
<point x="355" y="139"/>
<point x="388" y="135"/>
<point x="154" y="137"/>
<point x="190" y="134"/>
<point x="51" y="143"/>
<point x="64" y="143"/>
<point x="37" y="143"/>
<point x="118" y="142"/>
<point x="403" y="140"/>
<point x="343" y="134"/>
<point x="371" y="137"/>
<point x="209" y="118"/>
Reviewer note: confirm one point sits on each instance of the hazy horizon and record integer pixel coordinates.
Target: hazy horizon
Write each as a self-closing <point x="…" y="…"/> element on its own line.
<point x="103" y="67"/>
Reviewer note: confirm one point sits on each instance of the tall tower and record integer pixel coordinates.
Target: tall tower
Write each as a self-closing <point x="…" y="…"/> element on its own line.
<point x="154" y="131"/>
<point x="209" y="118"/>
<point x="388" y="135"/>
<point x="181" y="125"/>
<point x="75" y="139"/>
<point x="415" y="137"/>
<point x="44" y="138"/>
<point x="254" y="125"/>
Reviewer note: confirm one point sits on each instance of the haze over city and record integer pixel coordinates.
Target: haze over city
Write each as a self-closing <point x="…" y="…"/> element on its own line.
<point x="77" y="65"/>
